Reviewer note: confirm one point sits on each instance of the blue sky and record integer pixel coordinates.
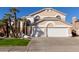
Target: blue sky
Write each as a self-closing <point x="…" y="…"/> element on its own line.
<point x="70" y="11"/>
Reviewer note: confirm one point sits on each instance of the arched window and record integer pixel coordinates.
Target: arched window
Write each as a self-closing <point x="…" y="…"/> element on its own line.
<point x="28" y="23"/>
<point x="36" y="18"/>
<point x="59" y="17"/>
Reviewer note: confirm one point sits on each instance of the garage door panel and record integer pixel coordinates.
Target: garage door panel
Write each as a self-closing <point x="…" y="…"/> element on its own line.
<point x="57" y="32"/>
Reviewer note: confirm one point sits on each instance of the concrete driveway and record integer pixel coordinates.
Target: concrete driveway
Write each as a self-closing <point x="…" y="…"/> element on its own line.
<point x="70" y="44"/>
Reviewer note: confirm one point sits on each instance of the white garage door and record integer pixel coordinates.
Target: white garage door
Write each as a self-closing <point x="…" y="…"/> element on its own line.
<point x="57" y="32"/>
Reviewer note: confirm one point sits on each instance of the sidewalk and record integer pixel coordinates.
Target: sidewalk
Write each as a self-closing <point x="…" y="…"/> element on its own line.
<point x="13" y="49"/>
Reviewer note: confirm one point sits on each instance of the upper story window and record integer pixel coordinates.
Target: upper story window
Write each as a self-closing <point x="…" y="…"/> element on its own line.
<point x="28" y="23"/>
<point x="36" y="18"/>
<point x="48" y="9"/>
<point x="59" y="17"/>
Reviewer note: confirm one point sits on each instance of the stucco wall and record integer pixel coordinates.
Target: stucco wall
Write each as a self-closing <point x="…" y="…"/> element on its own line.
<point x="50" y="14"/>
<point x="55" y="24"/>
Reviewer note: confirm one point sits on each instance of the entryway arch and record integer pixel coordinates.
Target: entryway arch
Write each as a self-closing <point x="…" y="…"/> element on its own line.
<point x="49" y="29"/>
<point x="50" y="25"/>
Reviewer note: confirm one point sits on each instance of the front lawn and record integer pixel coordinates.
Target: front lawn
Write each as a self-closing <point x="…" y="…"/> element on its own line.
<point x="13" y="42"/>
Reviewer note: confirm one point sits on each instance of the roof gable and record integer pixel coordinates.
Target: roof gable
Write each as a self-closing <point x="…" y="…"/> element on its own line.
<point x="44" y="9"/>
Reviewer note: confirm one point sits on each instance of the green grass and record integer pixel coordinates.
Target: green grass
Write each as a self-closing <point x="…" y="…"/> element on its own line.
<point x="13" y="42"/>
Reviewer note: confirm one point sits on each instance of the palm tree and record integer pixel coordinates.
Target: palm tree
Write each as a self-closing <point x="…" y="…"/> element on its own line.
<point x="5" y="20"/>
<point x="24" y="25"/>
<point x="18" y="26"/>
<point x="8" y="15"/>
<point x="14" y="10"/>
<point x="9" y="28"/>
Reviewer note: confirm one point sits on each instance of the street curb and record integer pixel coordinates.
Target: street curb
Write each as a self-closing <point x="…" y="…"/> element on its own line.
<point x="28" y="46"/>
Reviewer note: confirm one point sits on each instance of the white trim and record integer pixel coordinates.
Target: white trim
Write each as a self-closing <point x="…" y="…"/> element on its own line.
<point x="49" y="23"/>
<point x="36" y="15"/>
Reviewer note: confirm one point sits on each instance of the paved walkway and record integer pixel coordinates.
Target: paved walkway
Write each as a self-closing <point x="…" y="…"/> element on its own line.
<point x="54" y="45"/>
<point x="13" y="49"/>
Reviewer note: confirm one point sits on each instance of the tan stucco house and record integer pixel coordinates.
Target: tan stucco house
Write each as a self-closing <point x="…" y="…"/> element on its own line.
<point x="75" y="25"/>
<point x="49" y="22"/>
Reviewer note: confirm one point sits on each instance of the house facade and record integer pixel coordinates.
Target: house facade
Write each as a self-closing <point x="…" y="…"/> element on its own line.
<point x="49" y="22"/>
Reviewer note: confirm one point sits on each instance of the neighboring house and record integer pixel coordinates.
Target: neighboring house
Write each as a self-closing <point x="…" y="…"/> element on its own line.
<point x="2" y="31"/>
<point x="75" y="24"/>
<point x="49" y="22"/>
